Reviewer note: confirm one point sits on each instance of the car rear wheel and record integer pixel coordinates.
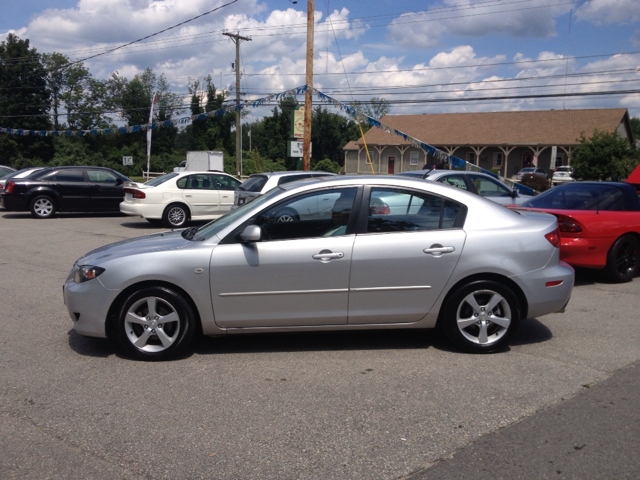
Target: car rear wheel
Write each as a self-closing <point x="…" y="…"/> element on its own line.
<point x="42" y="206"/>
<point x="623" y="259"/>
<point x="481" y="316"/>
<point x="175" y="216"/>
<point x="155" y="323"/>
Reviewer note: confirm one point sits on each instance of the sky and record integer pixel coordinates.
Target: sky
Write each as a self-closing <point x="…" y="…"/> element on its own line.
<point x="445" y="56"/>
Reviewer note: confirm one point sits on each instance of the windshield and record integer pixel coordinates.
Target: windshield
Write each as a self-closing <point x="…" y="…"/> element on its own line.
<point x="154" y="182"/>
<point x="212" y="228"/>
<point x="253" y="183"/>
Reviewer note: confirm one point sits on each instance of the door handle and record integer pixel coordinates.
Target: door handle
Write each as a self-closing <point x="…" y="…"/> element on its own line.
<point x="188" y="195"/>
<point x="327" y="255"/>
<point x="438" y="250"/>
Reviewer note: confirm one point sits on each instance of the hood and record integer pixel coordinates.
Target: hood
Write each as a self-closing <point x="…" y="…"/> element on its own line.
<point x="158" y="242"/>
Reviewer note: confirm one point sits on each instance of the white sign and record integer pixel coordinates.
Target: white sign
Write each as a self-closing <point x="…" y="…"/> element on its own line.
<point x="554" y="154"/>
<point x="127" y="160"/>
<point x="295" y="149"/>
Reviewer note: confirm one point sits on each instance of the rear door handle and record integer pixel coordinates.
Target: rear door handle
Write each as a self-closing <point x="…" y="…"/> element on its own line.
<point x="438" y="250"/>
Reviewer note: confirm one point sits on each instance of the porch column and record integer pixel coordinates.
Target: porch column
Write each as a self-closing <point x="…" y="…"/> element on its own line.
<point x="450" y="150"/>
<point x="402" y="150"/>
<point x="506" y="151"/>
<point x="568" y="151"/>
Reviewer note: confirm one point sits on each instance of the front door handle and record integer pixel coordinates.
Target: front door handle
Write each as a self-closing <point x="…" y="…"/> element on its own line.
<point x="438" y="250"/>
<point x="327" y="255"/>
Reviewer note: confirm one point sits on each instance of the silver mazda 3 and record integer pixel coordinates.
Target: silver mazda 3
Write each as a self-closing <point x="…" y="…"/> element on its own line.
<point x="350" y="253"/>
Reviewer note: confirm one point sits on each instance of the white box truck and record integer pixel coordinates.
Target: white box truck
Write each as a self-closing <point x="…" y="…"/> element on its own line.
<point x="202" y="161"/>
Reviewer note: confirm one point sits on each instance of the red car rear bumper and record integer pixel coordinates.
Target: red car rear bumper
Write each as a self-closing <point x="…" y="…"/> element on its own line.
<point x="585" y="252"/>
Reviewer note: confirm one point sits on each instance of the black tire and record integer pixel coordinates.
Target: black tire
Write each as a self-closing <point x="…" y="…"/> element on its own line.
<point x="623" y="259"/>
<point x="475" y="328"/>
<point x="175" y="215"/>
<point x="287" y="215"/>
<point x="155" y="323"/>
<point x="42" y="206"/>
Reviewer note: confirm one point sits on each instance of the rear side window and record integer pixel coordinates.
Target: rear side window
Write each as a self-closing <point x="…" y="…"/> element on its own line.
<point x="399" y="210"/>
<point x="253" y="184"/>
<point x="69" y="176"/>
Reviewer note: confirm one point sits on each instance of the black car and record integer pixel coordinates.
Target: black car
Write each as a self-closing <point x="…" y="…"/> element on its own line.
<point x="65" y="189"/>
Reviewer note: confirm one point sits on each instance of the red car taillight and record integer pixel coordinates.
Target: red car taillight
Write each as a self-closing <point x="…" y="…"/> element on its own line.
<point x="135" y="193"/>
<point x="554" y="237"/>
<point x="10" y="186"/>
<point x="568" y="227"/>
<point x="380" y="209"/>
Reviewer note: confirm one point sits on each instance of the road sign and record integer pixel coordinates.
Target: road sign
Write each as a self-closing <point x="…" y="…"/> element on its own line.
<point x="295" y="148"/>
<point x="127" y="160"/>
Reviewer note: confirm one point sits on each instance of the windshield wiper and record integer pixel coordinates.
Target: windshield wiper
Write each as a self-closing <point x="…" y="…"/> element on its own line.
<point x="188" y="233"/>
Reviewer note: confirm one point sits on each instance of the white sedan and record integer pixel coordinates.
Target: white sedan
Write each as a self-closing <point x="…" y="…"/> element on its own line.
<point x="176" y="198"/>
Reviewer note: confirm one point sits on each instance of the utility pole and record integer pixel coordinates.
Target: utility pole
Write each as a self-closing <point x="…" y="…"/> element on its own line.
<point x="237" y="39"/>
<point x="306" y="146"/>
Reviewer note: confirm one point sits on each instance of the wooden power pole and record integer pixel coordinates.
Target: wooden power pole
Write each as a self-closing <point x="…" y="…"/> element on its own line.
<point x="237" y="39"/>
<point x="306" y="149"/>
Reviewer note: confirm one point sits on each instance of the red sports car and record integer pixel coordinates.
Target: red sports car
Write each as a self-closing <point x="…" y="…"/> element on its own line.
<point x="599" y="225"/>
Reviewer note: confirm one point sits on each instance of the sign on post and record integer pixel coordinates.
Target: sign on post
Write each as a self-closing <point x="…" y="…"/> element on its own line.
<point x="554" y="154"/>
<point x="127" y="160"/>
<point x="295" y="148"/>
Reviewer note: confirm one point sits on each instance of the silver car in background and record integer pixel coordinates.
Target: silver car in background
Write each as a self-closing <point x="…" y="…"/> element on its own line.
<point x="476" y="182"/>
<point x="260" y="183"/>
<point x="438" y="257"/>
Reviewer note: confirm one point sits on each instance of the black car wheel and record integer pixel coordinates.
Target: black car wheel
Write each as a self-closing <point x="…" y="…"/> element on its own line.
<point x="481" y="316"/>
<point x="155" y="323"/>
<point x="623" y="259"/>
<point x="42" y="206"/>
<point x="287" y="215"/>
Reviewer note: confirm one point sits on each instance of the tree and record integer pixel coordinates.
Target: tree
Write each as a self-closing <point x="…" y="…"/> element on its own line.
<point x="604" y="156"/>
<point x="330" y="132"/>
<point x="635" y="127"/>
<point x="24" y="102"/>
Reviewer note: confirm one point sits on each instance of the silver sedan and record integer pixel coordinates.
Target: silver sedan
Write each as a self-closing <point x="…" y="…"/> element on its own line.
<point x="441" y="257"/>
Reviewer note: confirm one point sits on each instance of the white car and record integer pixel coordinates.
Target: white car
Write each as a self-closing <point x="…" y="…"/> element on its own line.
<point x="563" y="174"/>
<point x="177" y="198"/>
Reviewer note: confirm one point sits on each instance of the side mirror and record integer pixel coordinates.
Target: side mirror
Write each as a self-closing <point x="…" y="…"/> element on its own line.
<point x="514" y="193"/>
<point x="251" y="233"/>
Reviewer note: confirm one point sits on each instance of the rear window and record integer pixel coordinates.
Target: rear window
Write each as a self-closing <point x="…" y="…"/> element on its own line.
<point x="253" y="184"/>
<point x="160" y="180"/>
<point x="580" y="197"/>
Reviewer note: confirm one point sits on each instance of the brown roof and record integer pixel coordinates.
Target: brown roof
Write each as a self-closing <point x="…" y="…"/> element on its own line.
<point x="541" y="127"/>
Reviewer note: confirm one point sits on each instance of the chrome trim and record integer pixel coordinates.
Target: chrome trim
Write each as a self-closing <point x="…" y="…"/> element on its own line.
<point x="377" y="289"/>
<point x="283" y="292"/>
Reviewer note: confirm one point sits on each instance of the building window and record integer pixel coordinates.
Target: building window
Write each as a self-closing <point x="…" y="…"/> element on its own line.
<point x="497" y="159"/>
<point x="471" y="157"/>
<point x="414" y="158"/>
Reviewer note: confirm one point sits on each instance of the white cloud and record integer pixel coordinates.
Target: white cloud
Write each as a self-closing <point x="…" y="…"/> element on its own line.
<point x="426" y="29"/>
<point x="602" y="12"/>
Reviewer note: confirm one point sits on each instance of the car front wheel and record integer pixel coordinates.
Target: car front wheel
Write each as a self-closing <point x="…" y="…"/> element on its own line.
<point x="155" y="323"/>
<point x="481" y="316"/>
<point x="623" y="259"/>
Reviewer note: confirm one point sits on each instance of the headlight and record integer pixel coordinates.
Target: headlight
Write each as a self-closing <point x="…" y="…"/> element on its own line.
<point x="86" y="273"/>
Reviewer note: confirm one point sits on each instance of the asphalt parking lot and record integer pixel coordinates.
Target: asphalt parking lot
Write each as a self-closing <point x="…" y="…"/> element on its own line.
<point x="379" y="405"/>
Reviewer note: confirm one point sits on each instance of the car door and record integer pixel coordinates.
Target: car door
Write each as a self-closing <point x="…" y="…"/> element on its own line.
<point x="402" y="261"/>
<point x="201" y="194"/>
<point x="73" y="190"/>
<point x="226" y="187"/>
<point x="297" y="275"/>
<point x="106" y="190"/>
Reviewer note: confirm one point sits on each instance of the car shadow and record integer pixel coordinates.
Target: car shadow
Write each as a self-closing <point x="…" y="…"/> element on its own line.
<point x="63" y="215"/>
<point x="145" y="225"/>
<point x="590" y="276"/>
<point x="531" y="331"/>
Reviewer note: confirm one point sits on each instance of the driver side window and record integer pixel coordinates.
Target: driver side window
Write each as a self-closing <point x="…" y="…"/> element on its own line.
<point x="316" y="214"/>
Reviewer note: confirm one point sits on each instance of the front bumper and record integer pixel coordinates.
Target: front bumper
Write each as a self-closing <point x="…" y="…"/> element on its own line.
<point x="88" y="305"/>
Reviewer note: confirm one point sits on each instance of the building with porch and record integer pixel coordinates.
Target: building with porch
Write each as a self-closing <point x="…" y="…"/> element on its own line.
<point x="505" y="141"/>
